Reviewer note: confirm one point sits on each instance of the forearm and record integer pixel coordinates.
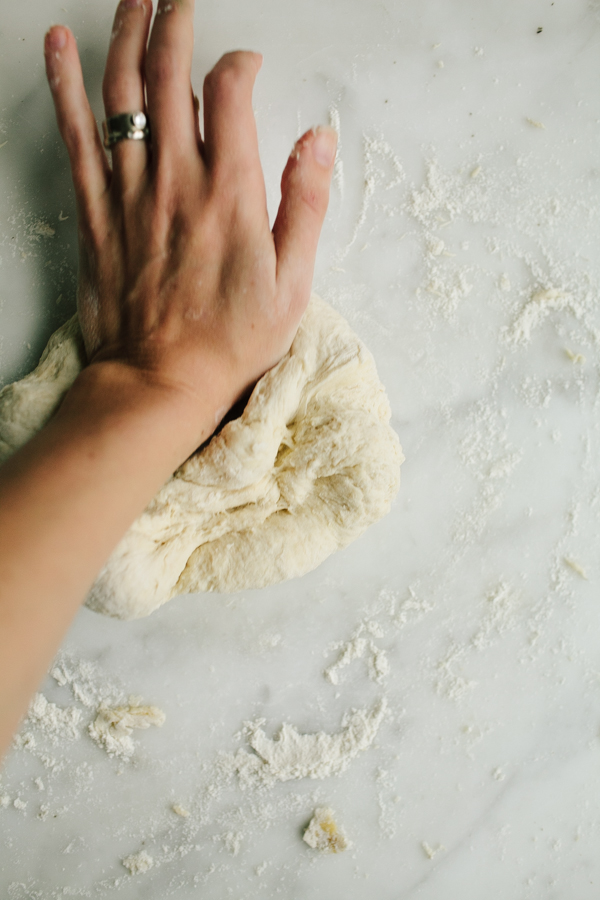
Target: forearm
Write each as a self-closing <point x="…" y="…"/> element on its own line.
<point x="66" y="499"/>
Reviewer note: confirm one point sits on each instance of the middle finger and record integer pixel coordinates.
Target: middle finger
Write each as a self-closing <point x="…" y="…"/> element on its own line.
<point x="123" y="87"/>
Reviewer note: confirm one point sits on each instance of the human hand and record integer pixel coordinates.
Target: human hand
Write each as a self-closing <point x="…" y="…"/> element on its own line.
<point x="181" y="280"/>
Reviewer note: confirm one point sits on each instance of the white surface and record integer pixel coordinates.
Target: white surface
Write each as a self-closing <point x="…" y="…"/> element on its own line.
<point x="491" y="748"/>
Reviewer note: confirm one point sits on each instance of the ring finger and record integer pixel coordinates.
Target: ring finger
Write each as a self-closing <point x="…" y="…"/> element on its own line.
<point x="123" y="86"/>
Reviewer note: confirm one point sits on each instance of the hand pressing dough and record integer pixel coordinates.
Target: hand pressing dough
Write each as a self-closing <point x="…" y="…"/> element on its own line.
<point x="307" y="467"/>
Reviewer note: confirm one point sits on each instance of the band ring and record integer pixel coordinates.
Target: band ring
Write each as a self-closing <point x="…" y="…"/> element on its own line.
<point x="131" y="126"/>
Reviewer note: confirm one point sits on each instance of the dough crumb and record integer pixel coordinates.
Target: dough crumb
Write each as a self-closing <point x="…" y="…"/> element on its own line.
<point x="180" y="810"/>
<point x="572" y="564"/>
<point x="578" y="358"/>
<point x="138" y="863"/>
<point x="429" y="851"/>
<point x="324" y="834"/>
<point x="113" y="726"/>
<point x="42" y="228"/>
<point x="436" y="247"/>
<point x="536" y="124"/>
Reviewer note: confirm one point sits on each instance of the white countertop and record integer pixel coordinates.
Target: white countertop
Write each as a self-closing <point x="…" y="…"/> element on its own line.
<point x="462" y="245"/>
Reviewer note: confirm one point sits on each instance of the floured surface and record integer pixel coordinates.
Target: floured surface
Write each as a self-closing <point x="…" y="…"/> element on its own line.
<point x="464" y="253"/>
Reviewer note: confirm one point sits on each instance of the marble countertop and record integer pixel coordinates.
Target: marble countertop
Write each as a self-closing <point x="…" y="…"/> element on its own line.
<point x="461" y="244"/>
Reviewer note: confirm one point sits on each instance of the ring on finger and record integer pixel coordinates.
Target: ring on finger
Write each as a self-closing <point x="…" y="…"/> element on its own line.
<point x="130" y="126"/>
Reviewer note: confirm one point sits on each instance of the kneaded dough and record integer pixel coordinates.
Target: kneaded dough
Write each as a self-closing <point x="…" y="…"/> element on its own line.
<point x="311" y="462"/>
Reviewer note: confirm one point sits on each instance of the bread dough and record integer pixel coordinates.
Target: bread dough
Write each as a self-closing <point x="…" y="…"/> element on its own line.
<point x="323" y="832"/>
<point x="311" y="462"/>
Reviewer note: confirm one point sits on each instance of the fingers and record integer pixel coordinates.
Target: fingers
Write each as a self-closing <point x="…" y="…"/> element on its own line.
<point x="230" y="137"/>
<point x="304" y="198"/>
<point x="76" y="122"/>
<point x="168" y="71"/>
<point x="123" y="87"/>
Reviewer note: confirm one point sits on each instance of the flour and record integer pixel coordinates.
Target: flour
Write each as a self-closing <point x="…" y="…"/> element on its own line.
<point x="231" y="840"/>
<point x="542" y="303"/>
<point x="357" y="648"/>
<point x="501" y="615"/>
<point x="292" y="755"/>
<point x="379" y="159"/>
<point x="56" y="723"/>
<point x="138" y="863"/>
<point x="338" y="167"/>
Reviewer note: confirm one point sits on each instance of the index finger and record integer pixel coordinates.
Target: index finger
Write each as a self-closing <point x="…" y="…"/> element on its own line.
<point x="76" y="123"/>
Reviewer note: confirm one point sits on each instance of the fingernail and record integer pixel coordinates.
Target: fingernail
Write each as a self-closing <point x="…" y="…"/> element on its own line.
<point x="56" y="39"/>
<point x="324" y="146"/>
<point x="131" y="4"/>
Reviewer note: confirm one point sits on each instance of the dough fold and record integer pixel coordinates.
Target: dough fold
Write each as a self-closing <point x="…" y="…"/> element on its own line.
<point x="311" y="462"/>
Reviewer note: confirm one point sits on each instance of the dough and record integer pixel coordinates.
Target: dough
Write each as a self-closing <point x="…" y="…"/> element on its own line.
<point x="307" y="467"/>
<point x="323" y="832"/>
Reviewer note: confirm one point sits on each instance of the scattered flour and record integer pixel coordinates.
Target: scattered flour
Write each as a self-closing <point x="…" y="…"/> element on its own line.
<point x="231" y="840"/>
<point x="532" y="315"/>
<point x="356" y="648"/>
<point x="379" y="158"/>
<point x="338" y="168"/>
<point x="138" y="863"/>
<point x="292" y="755"/>
<point x="55" y="723"/>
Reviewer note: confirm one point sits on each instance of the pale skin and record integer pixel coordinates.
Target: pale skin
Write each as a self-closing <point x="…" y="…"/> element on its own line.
<point x="186" y="297"/>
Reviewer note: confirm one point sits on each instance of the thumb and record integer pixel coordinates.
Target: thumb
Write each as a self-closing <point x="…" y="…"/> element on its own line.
<point x="304" y="198"/>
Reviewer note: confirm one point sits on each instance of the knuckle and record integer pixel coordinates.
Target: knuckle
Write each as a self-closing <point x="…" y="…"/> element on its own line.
<point x="230" y="74"/>
<point x="76" y="140"/>
<point x="161" y="66"/>
<point x="314" y="200"/>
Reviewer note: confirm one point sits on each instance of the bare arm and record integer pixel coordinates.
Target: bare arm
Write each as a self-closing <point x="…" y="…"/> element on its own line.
<point x="185" y="298"/>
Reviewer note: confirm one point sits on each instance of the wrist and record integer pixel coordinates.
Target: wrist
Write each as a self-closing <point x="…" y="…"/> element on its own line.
<point x="111" y="395"/>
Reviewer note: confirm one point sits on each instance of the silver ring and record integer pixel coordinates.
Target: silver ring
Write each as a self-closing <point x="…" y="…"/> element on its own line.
<point x="131" y="126"/>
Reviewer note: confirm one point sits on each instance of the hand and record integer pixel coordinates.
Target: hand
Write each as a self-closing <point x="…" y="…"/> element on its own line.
<point x="181" y="279"/>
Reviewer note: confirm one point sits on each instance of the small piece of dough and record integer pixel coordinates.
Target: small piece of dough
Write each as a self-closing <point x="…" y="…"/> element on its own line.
<point x="323" y="832"/>
<point x="311" y="462"/>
